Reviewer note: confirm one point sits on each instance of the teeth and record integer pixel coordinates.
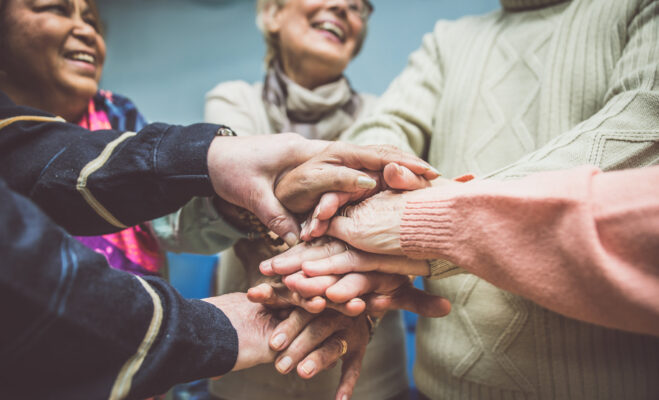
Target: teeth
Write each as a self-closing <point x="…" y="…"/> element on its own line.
<point x="332" y="28"/>
<point x="88" y="58"/>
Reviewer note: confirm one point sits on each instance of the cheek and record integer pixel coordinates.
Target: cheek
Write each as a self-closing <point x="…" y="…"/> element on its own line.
<point x="102" y="50"/>
<point x="356" y="27"/>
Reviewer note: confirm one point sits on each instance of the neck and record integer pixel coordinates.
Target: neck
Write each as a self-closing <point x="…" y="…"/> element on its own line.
<point x="521" y="5"/>
<point x="71" y="108"/>
<point x="307" y="75"/>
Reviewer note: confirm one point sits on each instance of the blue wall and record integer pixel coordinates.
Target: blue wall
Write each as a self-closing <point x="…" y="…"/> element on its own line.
<point x="165" y="54"/>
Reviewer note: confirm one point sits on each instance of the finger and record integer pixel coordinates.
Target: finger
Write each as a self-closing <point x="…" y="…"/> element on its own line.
<point x="315" y="286"/>
<point x="319" y="229"/>
<point x="291" y="261"/>
<point x="350" y="370"/>
<point x="275" y="217"/>
<point x="376" y="157"/>
<point x="288" y="329"/>
<point x="410" y="299"/>
<point x="357" y="261"/>
<point x="341" y="263"/>
<point x="329" y="204"/>
<point x="266" y="265"/>
<point x="322" y="358"/>
<point x="356" y="284"/>
<point x="317" y="181"/>
<point x="351" y="308"/>
<point x="313" y="334"/>
<point x="401" y="178"/>
<point x="291" y="280"/>
<point x="265" y="294"/>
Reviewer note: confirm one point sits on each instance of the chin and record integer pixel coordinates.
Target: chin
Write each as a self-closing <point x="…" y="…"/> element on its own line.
<point x="84" y="90"/>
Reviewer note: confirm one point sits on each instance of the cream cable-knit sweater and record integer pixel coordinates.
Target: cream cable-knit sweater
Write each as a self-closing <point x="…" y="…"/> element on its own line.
<point x="539" y="85"/>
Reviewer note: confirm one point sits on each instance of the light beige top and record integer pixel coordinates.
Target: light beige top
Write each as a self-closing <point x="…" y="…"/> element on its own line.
<point x="544" y="86"/>
<point x="240" y="106"/>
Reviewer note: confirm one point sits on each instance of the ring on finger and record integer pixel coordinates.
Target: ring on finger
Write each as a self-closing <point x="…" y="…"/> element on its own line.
<point x="344" y="346"/>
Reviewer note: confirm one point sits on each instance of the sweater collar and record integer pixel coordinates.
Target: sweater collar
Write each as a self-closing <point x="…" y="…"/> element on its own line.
<point x="521" y="5"/>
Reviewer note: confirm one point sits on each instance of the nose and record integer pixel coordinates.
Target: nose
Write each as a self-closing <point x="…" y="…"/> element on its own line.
<point x="84" y="31"/>
<point x="338" y="5"/>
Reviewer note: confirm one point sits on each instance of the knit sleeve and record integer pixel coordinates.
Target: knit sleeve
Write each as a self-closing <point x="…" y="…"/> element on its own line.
<point x="625" y="131"/>
<point x="578" y="242"/>
<point x="403" y="116"/>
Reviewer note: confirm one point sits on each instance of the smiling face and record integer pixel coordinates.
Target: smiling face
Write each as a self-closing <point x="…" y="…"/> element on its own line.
<point x="54" y="54"/>
<point x="317" y="38"/>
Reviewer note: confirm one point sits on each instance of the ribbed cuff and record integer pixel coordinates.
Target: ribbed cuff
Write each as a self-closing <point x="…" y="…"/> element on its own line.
<point x="426" y="228"/>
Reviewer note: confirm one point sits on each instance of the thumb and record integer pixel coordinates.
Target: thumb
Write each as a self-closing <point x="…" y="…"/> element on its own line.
<point x="401" y="178"/>
<point x="273" y="214"/>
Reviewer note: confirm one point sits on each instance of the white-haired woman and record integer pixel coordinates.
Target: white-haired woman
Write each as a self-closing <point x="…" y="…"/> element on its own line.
<point x="309" y="45"/>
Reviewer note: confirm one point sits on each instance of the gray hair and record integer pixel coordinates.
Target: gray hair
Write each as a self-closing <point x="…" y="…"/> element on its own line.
<point x="272" y="46"/>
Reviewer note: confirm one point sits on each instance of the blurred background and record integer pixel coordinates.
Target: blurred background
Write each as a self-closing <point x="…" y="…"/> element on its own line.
<point x="166" y="54"/>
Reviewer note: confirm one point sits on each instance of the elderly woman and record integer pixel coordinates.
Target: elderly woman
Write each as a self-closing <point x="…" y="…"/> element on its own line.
<point x="51" y="57"/>
<point x="309" y="45"/>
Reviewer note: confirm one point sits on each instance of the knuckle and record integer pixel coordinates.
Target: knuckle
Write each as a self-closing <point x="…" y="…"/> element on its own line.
<point x="276" y="222"/>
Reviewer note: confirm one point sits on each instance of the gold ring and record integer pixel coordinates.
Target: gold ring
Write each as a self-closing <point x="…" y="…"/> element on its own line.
<point x="344" y="346"/>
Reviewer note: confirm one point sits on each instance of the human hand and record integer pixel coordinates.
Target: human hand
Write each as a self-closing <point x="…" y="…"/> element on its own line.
<point x="393" y="176"/>
<point x="244" y="171"/>
<point x="254" y="325"/>
<point x="316" y="271"/>
<point x="373" y="225"/>
<point x="312" y="343"/>
<point x="351" y="173"/>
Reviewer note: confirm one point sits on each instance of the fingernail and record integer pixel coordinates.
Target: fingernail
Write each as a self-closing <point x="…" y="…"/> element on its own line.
<point x="365" y="182"/>
<point x="433" y="169"/>
<point x="284" y="364"/>
<point x="344" y="397"/>
<point x="291" y="239"/>
<point x="309" y="367"/>
<point x="313" y="226"/>
<point x="266" y="267"/>
<point x="316" y="213"/>
<point x="278" y="340"/>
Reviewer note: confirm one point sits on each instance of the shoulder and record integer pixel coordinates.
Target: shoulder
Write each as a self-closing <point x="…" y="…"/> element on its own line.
<point x="368" y="102"/>
<point x="453" y="29"/>
<point x="235" y="92"/>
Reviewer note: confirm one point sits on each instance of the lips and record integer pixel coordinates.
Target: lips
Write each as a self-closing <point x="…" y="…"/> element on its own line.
<point x="332" y="28"/>
<point x="81" y="56"/>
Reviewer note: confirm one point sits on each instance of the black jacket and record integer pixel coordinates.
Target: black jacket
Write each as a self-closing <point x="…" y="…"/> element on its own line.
<point x="72" y="327"/>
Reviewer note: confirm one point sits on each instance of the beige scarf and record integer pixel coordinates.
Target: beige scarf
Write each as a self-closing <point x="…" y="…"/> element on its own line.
<point x="322" y="113"/>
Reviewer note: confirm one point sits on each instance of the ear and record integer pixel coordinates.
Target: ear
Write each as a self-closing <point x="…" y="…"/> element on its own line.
<point x="272" y="18"/>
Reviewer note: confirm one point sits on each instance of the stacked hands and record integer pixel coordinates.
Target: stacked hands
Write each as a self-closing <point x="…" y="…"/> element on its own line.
<point x="328" y="291"/>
